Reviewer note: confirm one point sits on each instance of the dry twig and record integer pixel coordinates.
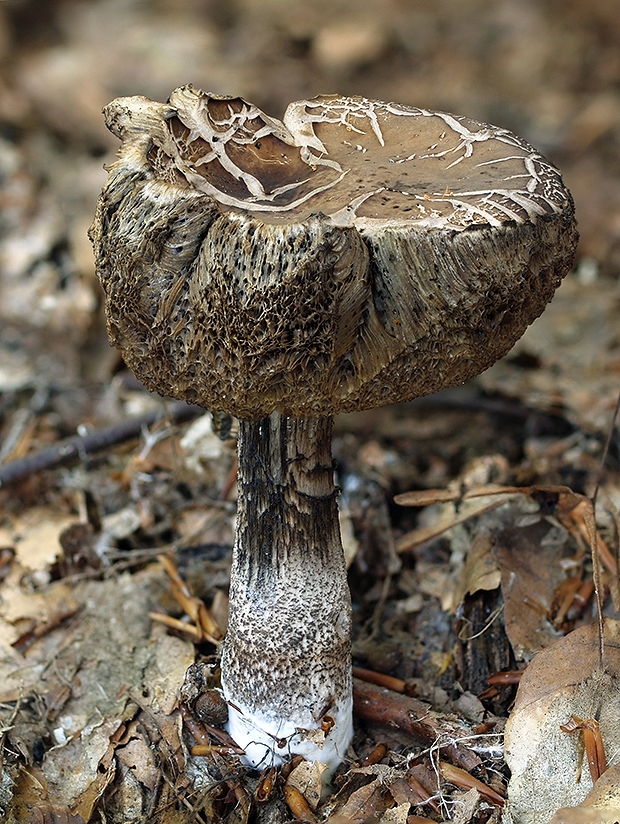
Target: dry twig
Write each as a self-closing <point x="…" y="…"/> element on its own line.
<point x="79" y="446"/>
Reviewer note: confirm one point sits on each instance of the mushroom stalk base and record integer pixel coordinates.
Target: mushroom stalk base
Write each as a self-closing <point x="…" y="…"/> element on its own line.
<point x="286" y="659"/>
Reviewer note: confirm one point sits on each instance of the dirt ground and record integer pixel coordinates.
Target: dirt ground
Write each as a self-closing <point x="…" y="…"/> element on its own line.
<point x="452" y="583"/>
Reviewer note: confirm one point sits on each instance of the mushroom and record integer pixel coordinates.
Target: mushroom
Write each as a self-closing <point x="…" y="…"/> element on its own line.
<point x="355" y="254"/>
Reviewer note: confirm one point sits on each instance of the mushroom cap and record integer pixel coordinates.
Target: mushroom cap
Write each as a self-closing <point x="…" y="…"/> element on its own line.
<point x="355" y="254"/>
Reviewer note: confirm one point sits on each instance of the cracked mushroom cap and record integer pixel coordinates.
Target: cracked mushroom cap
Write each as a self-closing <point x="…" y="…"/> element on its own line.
<point x="355" y="254"/>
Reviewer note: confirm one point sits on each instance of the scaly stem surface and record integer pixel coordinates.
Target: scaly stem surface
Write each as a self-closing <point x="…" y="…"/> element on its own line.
<point x="286" y="660"/>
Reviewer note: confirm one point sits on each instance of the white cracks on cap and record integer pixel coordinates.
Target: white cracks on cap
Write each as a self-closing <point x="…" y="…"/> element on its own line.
<point x="236" y="129"/>
<point x="300" y="117"/>
<point x="252" y="203"/>
<point x="269" y="741"/>
<point x="346" y="217"/>
<point x="305" y="164"/>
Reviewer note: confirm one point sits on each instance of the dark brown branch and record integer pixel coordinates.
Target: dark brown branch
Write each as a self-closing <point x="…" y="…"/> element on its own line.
<point x="412" y="716"/>
<point x="75" y="448"/>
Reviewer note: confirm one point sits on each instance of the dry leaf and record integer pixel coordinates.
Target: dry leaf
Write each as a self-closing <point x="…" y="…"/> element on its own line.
<point x="396" y="815"/>
<point x="36" y="536"/>
<point x="466" y="806"/>
<point x="480" y="571"/>
<point x="138" y="757"/>
<point x="366" y="803"/>
<point x="109" y="653"/>
<point x="79" y="772"/>
<point x="166" y="669"/>
<point x="529" y="559"/>
<point x="102" y="775"/>
<point x="307" y="777"/>
<point x="46" y="814"/>
<point x="562" y="680"/>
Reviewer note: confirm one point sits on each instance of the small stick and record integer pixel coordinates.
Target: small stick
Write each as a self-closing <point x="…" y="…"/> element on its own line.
<point x="77" y="447"/>
<point x="393" y="710"/>
<point x="376" y="755"/>
<point x="176" y="624"/>
<point x="379" y="678"/>
<point x="463" y="779"/>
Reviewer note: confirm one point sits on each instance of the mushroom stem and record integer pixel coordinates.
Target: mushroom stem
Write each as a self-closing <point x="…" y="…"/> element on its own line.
<point x="286" y="659"/>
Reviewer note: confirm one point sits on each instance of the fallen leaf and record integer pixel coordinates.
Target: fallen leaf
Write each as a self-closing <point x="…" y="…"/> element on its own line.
<point x="46" y="814"/>
<point x="166" y="669"/>
<point x="80" y="771"/>
<point x="36" y="536"/>
<point x="480" y="571"/>
<point x="396" y="815"/>
<point x="563" y="680"/>
<point x="138" y="757"/>
<point x="366" y="803"/>
<point x="529" y="559"/>
<point x="466" y="806"/>
<point x="307" y="777"/>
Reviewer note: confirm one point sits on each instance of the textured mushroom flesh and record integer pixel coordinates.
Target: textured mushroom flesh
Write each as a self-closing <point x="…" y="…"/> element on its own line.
<point x="356" y="254"/>
<point x="375" y="160"/>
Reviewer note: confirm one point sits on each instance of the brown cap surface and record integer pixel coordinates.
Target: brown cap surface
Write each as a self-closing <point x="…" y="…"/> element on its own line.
<point x="357" y="253"/>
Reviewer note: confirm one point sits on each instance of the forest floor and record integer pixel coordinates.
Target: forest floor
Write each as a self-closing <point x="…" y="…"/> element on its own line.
<point x="117" y="506"/>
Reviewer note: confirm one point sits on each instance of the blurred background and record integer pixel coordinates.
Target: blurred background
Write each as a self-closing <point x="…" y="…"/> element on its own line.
<point x="546" y="69"/>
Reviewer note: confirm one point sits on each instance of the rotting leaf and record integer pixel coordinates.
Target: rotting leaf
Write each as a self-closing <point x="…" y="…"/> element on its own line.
<point x="480" y="571"/>
<point x="307" y="777"/>
<point x="138" y="757"/>
<point x="368" y="802"/>
<point x="396" y="815"/>
<point x="530" y="574"/>
<point x="411" y="790"/>
<point x="466" y="806"/>
<point x="562" y="680"/>
<point x="84" y="805"/>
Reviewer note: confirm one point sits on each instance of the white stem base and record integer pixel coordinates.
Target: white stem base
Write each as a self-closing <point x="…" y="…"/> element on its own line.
<point x="269" y="741"/>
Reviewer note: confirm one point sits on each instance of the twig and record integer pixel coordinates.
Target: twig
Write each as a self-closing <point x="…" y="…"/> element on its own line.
<point x="79" y="446"/>
<point x="379" y="678"/>
<point x="393" y="710"/>
<point x="610" y="435"/>
<point x="596" y="567"/>
<point x="460" y="778"/>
